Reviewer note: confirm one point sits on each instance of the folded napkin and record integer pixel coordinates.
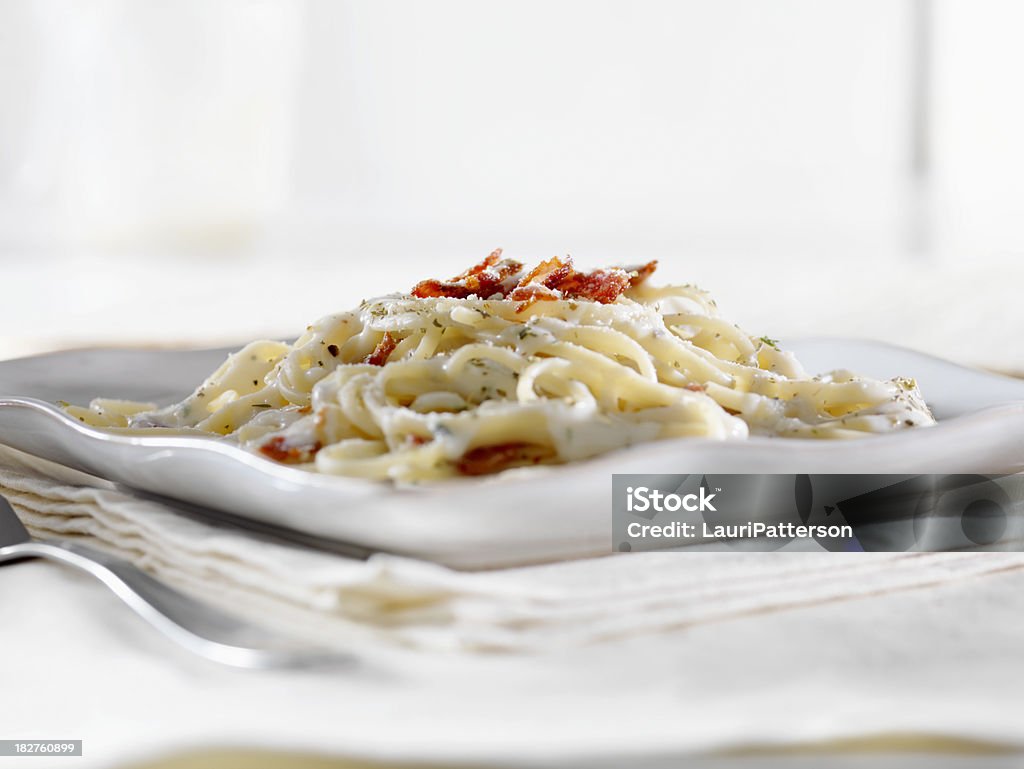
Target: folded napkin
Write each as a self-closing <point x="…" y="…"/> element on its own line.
<point x="410" y="603"/>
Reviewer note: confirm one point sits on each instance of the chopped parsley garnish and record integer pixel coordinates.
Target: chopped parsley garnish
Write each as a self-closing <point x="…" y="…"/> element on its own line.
<point x="774" y="343"/>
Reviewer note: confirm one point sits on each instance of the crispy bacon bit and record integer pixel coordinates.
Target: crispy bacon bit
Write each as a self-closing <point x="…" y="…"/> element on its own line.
<point x="541" y="283"/>
<point x="278" y="449"/>
<point x="527" y="295"/>
<point x="604" y="286"/>
<point x="382" y="351"/>
<point x="492" y="459"/>
<point x="554" y="278"/>
<point x="417" y="440"/>
<point x="305" y="410"/>
<point x="549" y="273"/>
<point x="638" y="273"/>
<point x="484" y="280"/>
<point x="489" y="261"/>
<point x="696" y="388"/>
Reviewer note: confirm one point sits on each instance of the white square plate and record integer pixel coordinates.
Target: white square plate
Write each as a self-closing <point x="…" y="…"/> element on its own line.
<point x="520" y="516"/>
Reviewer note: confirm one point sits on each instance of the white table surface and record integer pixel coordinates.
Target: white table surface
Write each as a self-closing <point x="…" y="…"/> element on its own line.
<point x="75" y="664"/>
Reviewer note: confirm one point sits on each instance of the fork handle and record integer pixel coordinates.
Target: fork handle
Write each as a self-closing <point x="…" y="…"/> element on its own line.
<point x="192" y="624"/>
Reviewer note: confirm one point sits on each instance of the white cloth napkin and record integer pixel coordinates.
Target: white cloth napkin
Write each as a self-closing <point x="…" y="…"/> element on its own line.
<point x="410" y="603"/>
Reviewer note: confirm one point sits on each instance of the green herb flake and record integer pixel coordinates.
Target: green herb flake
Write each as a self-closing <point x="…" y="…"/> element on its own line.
<point x="774" y="343"/>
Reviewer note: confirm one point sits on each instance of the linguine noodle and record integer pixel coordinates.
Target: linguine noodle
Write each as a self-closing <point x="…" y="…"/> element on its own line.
<point x="500" y="368"/>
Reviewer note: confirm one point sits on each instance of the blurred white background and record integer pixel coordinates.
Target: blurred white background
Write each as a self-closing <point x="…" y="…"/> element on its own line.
<point x="205" y="172"/>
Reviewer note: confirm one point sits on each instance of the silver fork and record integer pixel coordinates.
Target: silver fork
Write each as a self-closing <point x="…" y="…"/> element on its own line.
<point x="191" y="624"/>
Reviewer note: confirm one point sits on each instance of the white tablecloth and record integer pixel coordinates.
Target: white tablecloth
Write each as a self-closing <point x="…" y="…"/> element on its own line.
<point x="633" y="655"/>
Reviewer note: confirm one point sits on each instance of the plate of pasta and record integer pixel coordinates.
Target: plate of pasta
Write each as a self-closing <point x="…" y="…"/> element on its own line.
<point x="476" y="421"/>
